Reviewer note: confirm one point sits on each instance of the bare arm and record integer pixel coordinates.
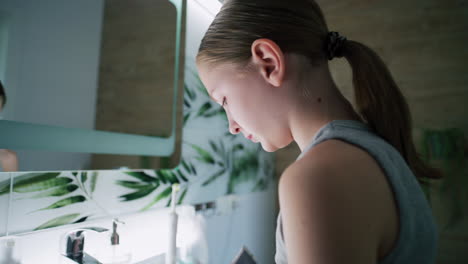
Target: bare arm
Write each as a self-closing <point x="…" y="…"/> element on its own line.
<point x="8" y="160"/>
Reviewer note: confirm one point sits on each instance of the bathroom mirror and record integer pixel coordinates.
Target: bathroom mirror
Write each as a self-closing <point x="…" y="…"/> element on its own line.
<point x="92" y="84"/>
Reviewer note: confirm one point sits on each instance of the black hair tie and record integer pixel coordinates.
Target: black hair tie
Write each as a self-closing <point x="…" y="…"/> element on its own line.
<point x="334" y="45"/>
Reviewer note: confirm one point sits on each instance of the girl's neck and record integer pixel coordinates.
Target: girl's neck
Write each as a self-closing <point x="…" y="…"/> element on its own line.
<point x="317" y="102"/>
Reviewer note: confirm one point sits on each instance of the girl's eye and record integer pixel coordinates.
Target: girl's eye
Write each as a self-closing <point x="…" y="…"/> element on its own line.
<point x="224" y="101"/>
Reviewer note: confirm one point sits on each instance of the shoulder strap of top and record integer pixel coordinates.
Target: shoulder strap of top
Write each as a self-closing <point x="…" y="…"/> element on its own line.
<point x="322" y="133"/>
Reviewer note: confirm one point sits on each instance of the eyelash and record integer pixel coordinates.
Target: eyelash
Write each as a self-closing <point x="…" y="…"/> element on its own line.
<point x="224" y="101"/>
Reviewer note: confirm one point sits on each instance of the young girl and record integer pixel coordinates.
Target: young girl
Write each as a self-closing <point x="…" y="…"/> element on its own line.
<point x="352" y="195"/>
<point x="8" y="158"/>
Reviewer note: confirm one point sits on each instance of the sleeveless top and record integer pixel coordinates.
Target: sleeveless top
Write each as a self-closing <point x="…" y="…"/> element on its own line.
<point x="417" y="238"/>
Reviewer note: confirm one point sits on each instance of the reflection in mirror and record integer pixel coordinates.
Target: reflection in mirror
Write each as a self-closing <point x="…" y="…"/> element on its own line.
<point x="8" y="158"/>
<point x="136" y="67"/>
<point x="92" y="64"/>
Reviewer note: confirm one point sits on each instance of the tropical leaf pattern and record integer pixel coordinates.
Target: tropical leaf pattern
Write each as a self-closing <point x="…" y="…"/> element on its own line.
<point x="69" y="189"/>
<point x="58" y="221"/>
<point x="144" y="184"/>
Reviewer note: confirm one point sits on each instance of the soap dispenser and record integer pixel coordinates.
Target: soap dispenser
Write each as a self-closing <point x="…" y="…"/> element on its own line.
<point x="117" y="254"/>
<point x="115" y="238"/>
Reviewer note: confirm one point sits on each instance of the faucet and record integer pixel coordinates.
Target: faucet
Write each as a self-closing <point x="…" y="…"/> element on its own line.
<point x="73" y="244"/>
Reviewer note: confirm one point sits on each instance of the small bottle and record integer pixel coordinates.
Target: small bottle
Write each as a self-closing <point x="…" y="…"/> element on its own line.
<point x="193" y="240"/>
<point x="117" y="254"/>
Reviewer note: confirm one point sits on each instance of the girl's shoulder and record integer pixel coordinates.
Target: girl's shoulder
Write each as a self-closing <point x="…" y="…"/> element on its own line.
<point x="336" y="180"/>
<point x="337" y="166"/>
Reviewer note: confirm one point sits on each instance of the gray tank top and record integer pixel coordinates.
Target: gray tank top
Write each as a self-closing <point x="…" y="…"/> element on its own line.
<point x="417" y="238"/>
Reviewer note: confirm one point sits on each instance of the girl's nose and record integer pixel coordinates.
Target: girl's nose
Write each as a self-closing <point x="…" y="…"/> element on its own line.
<point x="234" y="128"/>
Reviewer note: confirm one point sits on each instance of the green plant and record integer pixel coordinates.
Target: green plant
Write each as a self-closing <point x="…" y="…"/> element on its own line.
<point x="445" y="149"/>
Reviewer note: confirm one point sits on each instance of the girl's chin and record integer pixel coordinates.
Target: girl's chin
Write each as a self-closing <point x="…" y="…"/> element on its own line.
<point x="273" y="147"/>
<point x="268" y="147"/>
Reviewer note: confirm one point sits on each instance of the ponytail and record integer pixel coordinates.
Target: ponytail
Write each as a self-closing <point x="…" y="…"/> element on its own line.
<point x="382" y="105"/>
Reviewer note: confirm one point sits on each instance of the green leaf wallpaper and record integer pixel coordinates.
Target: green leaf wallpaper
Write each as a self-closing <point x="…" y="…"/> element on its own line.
<point x="57" y="189"/>
<point x="214" y="163"/>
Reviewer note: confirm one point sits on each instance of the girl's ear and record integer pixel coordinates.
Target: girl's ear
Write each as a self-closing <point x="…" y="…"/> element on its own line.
<point x="269" y="59"/>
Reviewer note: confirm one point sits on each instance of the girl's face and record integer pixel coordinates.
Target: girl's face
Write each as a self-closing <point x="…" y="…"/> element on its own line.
<point x="253" y="107"/>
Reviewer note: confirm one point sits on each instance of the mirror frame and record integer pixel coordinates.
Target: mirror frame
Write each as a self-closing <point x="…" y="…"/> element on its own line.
<point x="30" y="136"/>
